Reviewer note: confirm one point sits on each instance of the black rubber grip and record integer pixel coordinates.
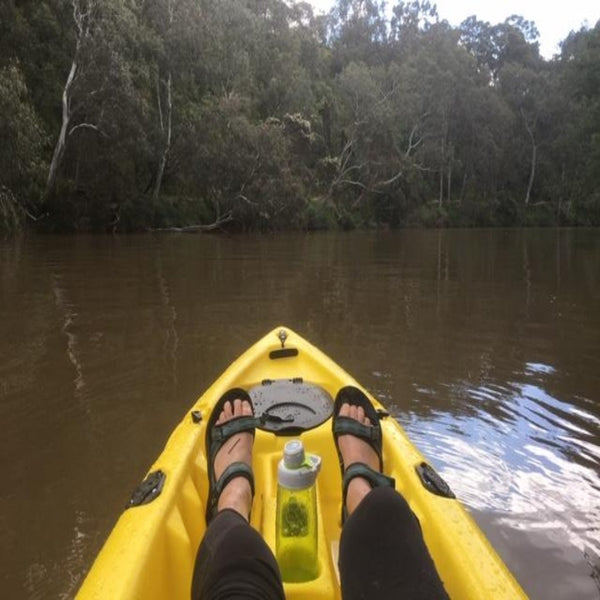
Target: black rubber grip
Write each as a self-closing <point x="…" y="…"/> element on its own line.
<point x="148" y="490"/>
<point x="432" y="481"/>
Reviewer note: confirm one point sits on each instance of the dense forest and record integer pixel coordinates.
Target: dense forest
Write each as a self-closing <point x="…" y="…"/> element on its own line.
<point x="123" y="115"/>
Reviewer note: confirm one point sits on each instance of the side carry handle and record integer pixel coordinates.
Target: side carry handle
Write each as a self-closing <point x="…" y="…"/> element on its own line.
<point x="432" y="481"/>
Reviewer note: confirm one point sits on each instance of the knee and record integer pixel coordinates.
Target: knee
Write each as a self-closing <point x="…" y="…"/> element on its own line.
<point x="381" y="498"/>
<point x="386" y="505"/>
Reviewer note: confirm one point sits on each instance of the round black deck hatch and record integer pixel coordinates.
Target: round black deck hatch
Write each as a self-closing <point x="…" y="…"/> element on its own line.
<point x="290" y="406"/>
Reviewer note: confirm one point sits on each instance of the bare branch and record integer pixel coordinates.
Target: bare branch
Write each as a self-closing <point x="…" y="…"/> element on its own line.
<point x="413" y="145"/>
<point x="246" y="199"/>
<point x="87" y="126"/>
<point x="392" y="179"/>
<point x="351" y="182"/>
<point x="424" y="169"/>
<point x="82" y="19"/>
<point x="384" y="96"/>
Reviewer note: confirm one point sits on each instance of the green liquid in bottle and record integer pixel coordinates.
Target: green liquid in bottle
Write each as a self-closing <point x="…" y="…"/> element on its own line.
<point x="297" y="534"/>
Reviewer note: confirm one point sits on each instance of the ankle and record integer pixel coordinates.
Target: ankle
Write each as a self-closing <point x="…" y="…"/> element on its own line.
<point x="358" y="488"/>
<point x="237" y="495"/>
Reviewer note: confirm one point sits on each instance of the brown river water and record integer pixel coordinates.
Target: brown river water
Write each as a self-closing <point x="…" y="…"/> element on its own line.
<point x="484" y="344"/>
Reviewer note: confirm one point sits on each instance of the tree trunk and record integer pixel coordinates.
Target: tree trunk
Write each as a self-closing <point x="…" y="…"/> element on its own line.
<point x="163" y="160"/>
<point x="449" y="183"/>
<point x="531" y="173"/>
<point x="463" y="187"/>
<point x="59" y="148"/>
<point x="533" y="159"/>
<point x="442" y="163"/>
<point x="169" y="116"/>
<point x="81" y="18"/>
<point x="441" y="194"/>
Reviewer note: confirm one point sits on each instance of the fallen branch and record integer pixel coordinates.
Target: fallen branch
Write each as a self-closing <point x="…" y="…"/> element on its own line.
<point x="10" y="206"/>
<point x="196" y="228"/>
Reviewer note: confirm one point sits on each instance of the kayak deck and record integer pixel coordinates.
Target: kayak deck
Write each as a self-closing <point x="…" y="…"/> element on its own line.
<point x="151" y="551"/>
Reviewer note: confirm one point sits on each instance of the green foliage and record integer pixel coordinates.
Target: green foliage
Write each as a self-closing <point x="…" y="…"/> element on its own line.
<point x="320" y="214"/>
<point x="21" y="159"/>
<point x="262" y="115"/>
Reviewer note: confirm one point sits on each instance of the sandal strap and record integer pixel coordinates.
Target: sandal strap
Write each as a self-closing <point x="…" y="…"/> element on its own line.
<point x="375" y="478"/>
<point x="235" y="469"/>
<point x="221" y="433"/>
<point x="346" y="425"/>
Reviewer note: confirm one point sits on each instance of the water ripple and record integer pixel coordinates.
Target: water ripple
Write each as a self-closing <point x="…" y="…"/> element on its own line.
<point x="521" y="452"/>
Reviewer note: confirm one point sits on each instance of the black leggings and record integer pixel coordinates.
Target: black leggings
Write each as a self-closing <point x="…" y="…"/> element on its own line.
<point x="382" y="556"/>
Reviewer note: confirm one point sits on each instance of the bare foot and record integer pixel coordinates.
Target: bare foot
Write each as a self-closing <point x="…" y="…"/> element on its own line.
<point x="354" y="449"/>
<point x="237" y="494"/>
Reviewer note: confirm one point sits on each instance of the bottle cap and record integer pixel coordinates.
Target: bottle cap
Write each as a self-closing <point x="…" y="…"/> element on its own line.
<point x="297" y="470"/>
<point x="293" y="454"/>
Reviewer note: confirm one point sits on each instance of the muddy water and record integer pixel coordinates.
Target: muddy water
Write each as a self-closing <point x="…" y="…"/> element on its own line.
<point x="484" y="344"/>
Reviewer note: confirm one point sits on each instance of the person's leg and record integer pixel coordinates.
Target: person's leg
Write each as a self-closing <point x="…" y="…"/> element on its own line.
<point x="382" y="551"/>
<point x="233" y="560"/>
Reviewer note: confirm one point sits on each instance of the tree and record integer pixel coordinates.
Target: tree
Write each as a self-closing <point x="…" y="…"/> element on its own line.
<point x="358" y="32"/>
<point x="514" y="40"/>
<point x="83" y="18"/>
<point x="525" y="90"/>
<point x="99" y="78"/>
<point x="21" y="157"/>
<point x="576" y="146"/>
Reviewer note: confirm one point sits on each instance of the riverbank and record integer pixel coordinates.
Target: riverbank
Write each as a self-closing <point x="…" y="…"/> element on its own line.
<point x="190" y="216"/>
<point x="130" y="116"/>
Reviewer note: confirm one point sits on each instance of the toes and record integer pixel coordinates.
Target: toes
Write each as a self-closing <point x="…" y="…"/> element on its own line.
<point x="360" y="414"/>
<point x="227" y="411"/>
<point x="361" y="417"/>
<point x="237" y="407"/>
<point x="355" y="412"/>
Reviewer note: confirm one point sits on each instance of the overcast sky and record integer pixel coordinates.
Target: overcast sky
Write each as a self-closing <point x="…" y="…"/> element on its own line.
<point x="554" y="20"/>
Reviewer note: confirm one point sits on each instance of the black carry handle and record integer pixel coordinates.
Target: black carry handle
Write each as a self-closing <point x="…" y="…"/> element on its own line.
<point x="432" y="481"/>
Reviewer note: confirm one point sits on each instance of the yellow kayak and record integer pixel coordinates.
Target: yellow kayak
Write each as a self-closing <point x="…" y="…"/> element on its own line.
<point x="151" y="551"/>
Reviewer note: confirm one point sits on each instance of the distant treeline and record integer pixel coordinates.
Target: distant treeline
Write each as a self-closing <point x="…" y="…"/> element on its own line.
<point x="123" y="115"/>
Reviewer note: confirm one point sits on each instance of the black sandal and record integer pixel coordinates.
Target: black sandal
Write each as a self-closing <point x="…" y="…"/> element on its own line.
<point x="371" y="434"/>
<point x="216" y="436"/>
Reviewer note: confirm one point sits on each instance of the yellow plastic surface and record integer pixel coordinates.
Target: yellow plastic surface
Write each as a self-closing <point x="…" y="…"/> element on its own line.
<point x="151" y="550"/>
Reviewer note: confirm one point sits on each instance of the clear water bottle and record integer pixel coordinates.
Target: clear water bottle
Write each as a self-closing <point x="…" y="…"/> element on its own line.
<point x="296" y="527"/>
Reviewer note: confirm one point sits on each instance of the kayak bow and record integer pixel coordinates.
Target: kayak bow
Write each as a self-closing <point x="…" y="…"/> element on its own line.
<point x="151" y="551"/>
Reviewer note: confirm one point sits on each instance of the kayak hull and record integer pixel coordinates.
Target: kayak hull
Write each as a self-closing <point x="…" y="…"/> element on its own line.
<point x="151" y="551"/>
